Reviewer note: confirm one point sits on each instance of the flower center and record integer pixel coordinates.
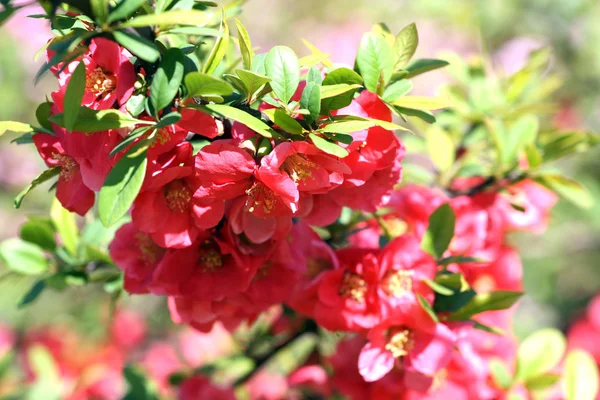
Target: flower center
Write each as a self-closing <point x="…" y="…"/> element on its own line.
<point x="396" y="283"/>
<point x="298" y="168"/>
<point x="314" y="266"/>
<point x="149" y="251"/>
<point x="67" y="165"/>
<point x="162" y="137"/>
<point x="400" y="342"/>
<point x="178" y="196"/>
<point x="99" y="82"/>
<point x="260" y="196"/>
<point x="353" y="287"/>
<point x="211" y="259"/>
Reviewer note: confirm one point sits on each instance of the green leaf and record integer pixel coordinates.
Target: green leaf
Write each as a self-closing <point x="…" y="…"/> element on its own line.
<point x="342" y="76"/>
<point x="542" y="382"/>
<point x="122" y="185"/>
<point x="73" y="96"/>
<point x="481" y="302"/>
<point x="427" y="307"/>
<point x="439" y="231"/>
<point x="251" y="81"/>
<point x="405" y="45"/>
<point x="440" y="147"/>
<point x="419" y="67"/>
<point x="423" y="115"/>
<point x="167" y="120"/>
<point x="39" y="233"/>
<point x="195" y="31"/>
<point x="243" y="117"/>
<point x="453" y="281"/>
<point x="293" y="355"/>
<point x="42" y="113"/>
<point x="199" y="84"/>
<point x="284" y="121"/>
<point x="90" y="121"/>
<point x="140" y="388"/>
<point x="485" y="328"/>
<point x="336" y="90"/>
<point x="397" y="89"/>
<point x="66" y="226"/>
<point x="174" y="17"/>
<point x="567" y="188"/>
<point x="100" y="9"/>
<point x="422" y="103"/>
<point x="14" y="126"/>
<point x="135" y="104"/>
<point x="311" y="95"/>
<point x="167" y="79"/>
<point x="347" y="126"/>
<point x="245" y="45"/>
<point x="459" y="260"/>
<point x="43" y="177"/>
<point x="218" y="51"/>
<point x="283" y="67"/>
<point x="436" y="287"/>
<point x="128" y="141"/>
<point x="138" y="45"/>
<point x="500" y="373"/>
<point x="32" y="294"/>
<point x="23" y="257"/>
<point x="562" y="144"/>
<point x="522" y="133"/>
<point x="539" y="353"/>
<point x="580" y="376"/>
<point x="124" y="9"/>
<point x="327" y="146"/>
<point x="374" y="59"/>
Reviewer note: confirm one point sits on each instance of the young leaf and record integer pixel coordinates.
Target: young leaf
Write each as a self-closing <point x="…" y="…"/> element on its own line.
<point x="491" y="301"/>
<point x="336" y="90"/>
<point x="174" y="17"/>
<point x="539" y="353"/>
<point x="219" y="50"/>
<point x="422" y="103"/>
<point x="419" y="67"/>
<point x="405" y="45"/>
<point x="423" y="115"/>
<point x="43" y="177"/>
<point x="436" y="287"/>
<point x="311" y="95"/>
<point x="285" y="122"/>
<point x="73" y="96"/>
<point x="568" y="189"/>
<point x="439" y="231"/>
<point x="124" y="9"/>
<point x="90" y="121"/>
<point x="282" y="66"/>
<point x="138" y="45"/>
<point x="23" y="257"/>
<point x="100" y="9"/>
<point x="122" y="185"/>
<point x="347" y="126"/>
<point x="500" y="373"/>
<point x="396" y="90"/>
<point x="14" y="126"/>
<point x="65" y="226"/>
<point x="245" y="45"/>
<point x="440" y="147"/>
<point x="199" y="84"/>
<point x="374" y="56"/>
<point x="580" y="376"/>
<point x="327" y="146"/>
<point x="243" y="117"/>
<point x="251" y="81"/>
<point x="167" y="79"/>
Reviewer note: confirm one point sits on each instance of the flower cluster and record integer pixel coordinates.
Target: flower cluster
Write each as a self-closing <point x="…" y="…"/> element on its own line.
<point x="274" y="191"/>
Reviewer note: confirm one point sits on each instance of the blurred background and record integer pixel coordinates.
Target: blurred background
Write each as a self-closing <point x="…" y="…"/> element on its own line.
<point x="561" y="267"/>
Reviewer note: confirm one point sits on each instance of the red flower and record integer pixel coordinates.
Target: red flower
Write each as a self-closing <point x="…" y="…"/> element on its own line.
<point x="199" y="387"/>
<point x="210" y="269"/>
<point x="203" y="314"/>
<point x="404" y="267"/>
<point x="71" y="191"/>
<point x="348" y="295"/>
<point x="110" y="76"/>
<point x="413" y="340"/>
<point x="164" y="208"/>
<point x="137" y="256"/>
<point x="197" y="122"/>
